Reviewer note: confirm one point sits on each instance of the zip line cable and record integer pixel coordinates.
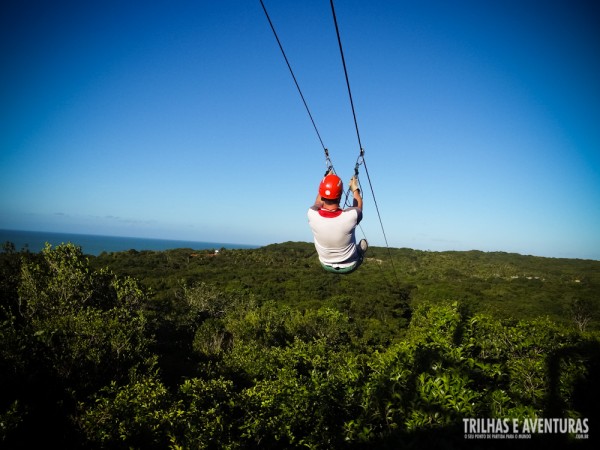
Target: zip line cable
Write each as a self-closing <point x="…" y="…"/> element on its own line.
<point x="381" y="222"/>
<point x="361" y="158"/>
<point x="337" y="31"/>
<point x="327" y="160"/>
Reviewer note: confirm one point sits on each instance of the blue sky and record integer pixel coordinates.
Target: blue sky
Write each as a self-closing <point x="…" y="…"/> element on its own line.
<point x="180" y="120"/>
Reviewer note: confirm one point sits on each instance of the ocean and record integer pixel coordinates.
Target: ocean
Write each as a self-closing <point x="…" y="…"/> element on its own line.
<point x="35" y="241"/>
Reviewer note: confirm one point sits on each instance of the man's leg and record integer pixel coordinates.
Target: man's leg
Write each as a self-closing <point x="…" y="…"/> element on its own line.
<point x="363" y="246"/>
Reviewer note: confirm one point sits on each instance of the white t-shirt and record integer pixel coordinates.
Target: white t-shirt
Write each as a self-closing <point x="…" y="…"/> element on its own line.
<point x="334" y="236"/>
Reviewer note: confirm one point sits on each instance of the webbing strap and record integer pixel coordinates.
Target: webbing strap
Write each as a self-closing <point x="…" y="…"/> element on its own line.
<point x="328" y="162"/>
<point x="359" y="161"/>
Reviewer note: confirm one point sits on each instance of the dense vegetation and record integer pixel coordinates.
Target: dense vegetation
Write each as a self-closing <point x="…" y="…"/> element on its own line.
<point x="263" y="349"/>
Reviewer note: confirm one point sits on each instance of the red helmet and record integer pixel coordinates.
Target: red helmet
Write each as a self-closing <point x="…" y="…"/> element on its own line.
<point x="331" y="187"/>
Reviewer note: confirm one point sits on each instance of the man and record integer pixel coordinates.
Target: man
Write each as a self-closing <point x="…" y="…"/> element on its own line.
<point x="333" y="228"/>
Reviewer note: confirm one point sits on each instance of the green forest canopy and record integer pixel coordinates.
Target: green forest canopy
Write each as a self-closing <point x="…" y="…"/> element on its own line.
<point x="507" y="285"/>
<point x="263" y="349"/>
